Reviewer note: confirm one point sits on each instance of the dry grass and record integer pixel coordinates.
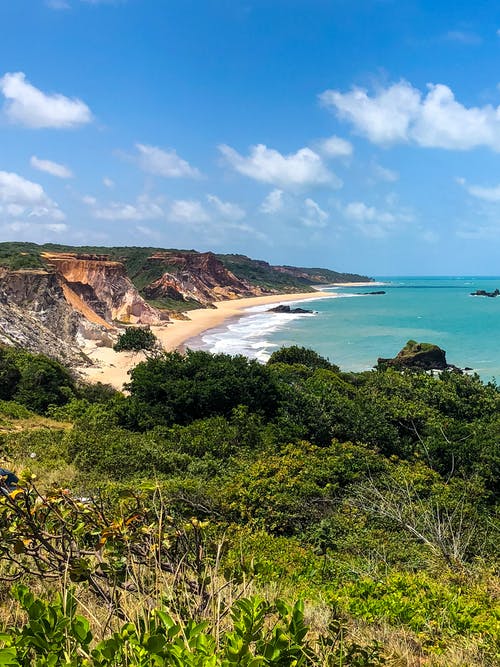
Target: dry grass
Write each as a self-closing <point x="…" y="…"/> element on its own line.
<point x="401" y="647"/>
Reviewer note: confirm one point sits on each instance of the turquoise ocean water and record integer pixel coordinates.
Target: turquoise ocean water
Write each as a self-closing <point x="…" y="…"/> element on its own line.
<point x="353" y="330"/>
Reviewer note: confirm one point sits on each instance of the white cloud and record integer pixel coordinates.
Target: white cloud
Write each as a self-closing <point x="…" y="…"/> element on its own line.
<point x="29" y="106"/>
<point x="107" y="182"/>
<point x="226" y="209"/>
<point x="187" y="211"/>
<point x="385" y="174"/>
<point x="15" y="188"/>
<point x="383" y="118"/>
<point x="314" y="214"/>
<point x="489" y="194"/>
<point x="144" y="208"/>
<point x="373" y="222"/>
<point x="335" y="147"/>
<point x="360" y="212"/>
<point x="463" y="37"/>
<point x="167" y="163"/>
<point x="20" y="197"/>
<point x="445" y="123"/>
<point x="273" y="203"/>
<point x="53" y="168"/>
<point x="32" y="230"/>
<point x="305" y="168"/>
<point x="401" y="113"/>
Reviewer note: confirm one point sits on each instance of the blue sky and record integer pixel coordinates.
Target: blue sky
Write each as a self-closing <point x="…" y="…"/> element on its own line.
<point x="354" y="134"/>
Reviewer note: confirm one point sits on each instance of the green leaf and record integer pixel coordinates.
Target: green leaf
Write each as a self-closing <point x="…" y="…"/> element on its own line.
<point x="8" y="656"/>
<point x="155" y="643"/>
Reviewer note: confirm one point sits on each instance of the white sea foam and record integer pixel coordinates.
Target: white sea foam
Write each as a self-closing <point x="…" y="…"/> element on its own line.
<point x="249" y="335"/>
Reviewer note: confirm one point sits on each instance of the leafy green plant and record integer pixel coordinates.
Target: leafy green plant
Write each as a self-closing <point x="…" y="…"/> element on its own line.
<point x="176" y="388"/>
<point x="136" y="339"/>
<point x="54" y="635"/>
<point x="301" y="355"/>
<point x="262" y="633"/>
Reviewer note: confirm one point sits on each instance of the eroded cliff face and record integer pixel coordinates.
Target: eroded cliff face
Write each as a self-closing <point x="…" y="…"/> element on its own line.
<point x="197" y="276"/>
<point x="103" y="287"/>
<point x="76" y="299"/>
<point x="20" y="328"/>
<point x="39" y="293"/>
<point x="35" y="315"/>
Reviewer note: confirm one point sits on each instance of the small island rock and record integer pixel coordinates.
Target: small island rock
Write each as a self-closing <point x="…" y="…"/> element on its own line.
<point x="418" y="356"/>
<point x="288" y="309"/>
<point x="482" y="292"/>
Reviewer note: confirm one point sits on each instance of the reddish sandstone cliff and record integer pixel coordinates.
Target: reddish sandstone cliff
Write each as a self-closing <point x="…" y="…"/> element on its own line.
<point x="197" y="276"/>
<point x="76" y="298"/>
<point x="103" y="286"/>
<point x="35" y="314"/>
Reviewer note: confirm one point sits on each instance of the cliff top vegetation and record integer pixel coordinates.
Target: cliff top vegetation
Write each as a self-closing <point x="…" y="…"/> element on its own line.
<point x="142" y="271"/>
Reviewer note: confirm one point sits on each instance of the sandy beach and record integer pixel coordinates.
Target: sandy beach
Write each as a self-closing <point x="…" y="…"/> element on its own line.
<point x="112" y="367"/>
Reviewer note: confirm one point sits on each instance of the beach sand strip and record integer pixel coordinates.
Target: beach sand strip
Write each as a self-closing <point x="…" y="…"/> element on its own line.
<point x="113" y="367"/>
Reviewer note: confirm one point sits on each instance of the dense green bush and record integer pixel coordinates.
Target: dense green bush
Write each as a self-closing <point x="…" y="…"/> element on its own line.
<point x="175" y="388"/>
<point x="301" y="355"/>
<point x="136" y="339"/>
<point x="43" y="382"/>
<point x="34" y="380"/>
<point x="9" y="375"/>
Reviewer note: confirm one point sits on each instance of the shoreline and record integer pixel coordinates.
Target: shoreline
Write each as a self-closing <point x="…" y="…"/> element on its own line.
<point x="113" y="367"/>
<point x="204" y="319"/>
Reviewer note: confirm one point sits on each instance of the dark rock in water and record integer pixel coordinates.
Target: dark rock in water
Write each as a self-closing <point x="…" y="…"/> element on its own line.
<point x="418" y="356"/>
<point x="482" y="292"/>
<point x="287" y="309"/>
<point x="370" y="293"/>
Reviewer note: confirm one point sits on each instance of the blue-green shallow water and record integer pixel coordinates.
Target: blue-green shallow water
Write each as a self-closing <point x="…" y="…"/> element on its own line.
<point x="354" y="330"/>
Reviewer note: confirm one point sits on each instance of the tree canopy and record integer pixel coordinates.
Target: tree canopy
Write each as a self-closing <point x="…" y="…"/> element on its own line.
<point x="177" y="388"/>
<point x="136" y="339"/>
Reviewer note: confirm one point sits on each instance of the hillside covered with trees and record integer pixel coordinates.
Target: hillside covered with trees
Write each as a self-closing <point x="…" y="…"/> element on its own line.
<point x="224" y="512"/>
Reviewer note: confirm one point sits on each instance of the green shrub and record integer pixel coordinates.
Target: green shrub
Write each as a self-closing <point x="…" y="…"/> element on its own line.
<point x="176" y="388"/>
<point x="436" y="609"/>
<point x="260" y="633"/>
<point x="14" y="410"/>
<point x="9" y="375"/>
<point x="43" y="382"/>
<point x="301" y="355"/>
<point x="136" y="339"/>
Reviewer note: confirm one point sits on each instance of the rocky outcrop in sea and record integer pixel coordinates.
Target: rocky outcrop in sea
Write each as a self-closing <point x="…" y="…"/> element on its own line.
<point x="418" y="356"/>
